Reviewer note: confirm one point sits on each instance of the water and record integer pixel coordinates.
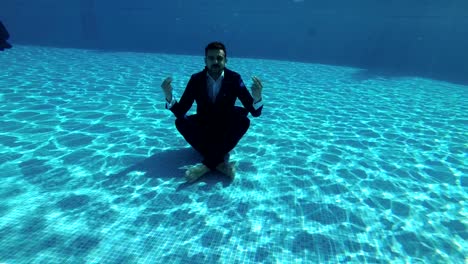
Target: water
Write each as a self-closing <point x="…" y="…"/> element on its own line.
<point x="343" y="165"/>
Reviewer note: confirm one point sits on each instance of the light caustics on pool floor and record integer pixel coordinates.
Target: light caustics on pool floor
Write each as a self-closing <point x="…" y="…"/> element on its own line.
<point x="342" y="166"/>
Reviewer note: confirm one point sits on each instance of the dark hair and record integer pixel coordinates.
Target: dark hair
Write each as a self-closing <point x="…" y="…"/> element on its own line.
<point x="216" y="46"/>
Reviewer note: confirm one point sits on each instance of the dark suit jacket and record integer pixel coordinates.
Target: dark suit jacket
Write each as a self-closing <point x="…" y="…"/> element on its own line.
<point x="223" y="108"/>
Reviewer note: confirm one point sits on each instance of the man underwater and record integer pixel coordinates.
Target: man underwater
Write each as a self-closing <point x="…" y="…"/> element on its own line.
<point x="218" y="124"/>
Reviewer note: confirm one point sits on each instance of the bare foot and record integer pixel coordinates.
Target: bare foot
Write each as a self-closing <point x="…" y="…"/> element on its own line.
<point x="228" y="169"/>
<point x="194" y="172"/>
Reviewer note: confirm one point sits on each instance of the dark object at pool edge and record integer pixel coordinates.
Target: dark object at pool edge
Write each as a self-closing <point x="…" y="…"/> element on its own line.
<point x="3" y="37"/>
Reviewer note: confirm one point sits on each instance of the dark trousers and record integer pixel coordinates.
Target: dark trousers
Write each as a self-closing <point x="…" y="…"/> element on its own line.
<point x="213" y="140"/>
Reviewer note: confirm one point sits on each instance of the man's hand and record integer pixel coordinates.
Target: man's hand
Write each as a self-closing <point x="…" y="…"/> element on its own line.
<point x="167" y="88"/>
<point x="256" y="89"/>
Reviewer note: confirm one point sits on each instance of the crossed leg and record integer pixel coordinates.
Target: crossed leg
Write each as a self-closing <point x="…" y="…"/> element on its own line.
<point x="213" y="143"/>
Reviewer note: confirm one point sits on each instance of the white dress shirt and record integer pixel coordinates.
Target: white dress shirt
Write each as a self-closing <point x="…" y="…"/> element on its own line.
<point x="214" y="85"/>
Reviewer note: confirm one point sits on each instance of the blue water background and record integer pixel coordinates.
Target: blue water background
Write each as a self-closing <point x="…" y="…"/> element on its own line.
<point x="403" y="38"/>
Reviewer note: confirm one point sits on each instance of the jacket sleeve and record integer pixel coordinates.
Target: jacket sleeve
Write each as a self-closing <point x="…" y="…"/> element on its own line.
<point x="181" y="108"/>
<point x="246" y="98"/>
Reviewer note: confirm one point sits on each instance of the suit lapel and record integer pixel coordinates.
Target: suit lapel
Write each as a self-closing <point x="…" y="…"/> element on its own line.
<point x="204" y="85"/>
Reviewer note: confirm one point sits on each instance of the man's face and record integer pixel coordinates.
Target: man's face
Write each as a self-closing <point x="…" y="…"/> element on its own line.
<point x="215" y="60"/>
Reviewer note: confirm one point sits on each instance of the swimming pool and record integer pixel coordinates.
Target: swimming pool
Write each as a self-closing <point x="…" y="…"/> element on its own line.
<point x="343" y="165"/>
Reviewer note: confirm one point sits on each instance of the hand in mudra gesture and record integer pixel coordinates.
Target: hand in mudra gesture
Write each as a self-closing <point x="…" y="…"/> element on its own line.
<point x="167" y="88"/>
<point x="256" y="88"/>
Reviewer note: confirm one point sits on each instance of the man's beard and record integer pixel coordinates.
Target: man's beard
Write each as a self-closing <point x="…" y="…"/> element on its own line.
<point x="215" y="68"/>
